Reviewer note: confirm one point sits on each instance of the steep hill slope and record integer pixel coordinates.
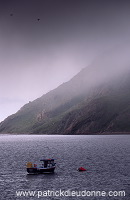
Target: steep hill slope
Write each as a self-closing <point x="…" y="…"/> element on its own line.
<point x="105" y="110"/>
<point x="96" y="100"/>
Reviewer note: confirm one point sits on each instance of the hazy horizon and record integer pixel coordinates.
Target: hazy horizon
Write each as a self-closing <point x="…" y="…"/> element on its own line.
<point x="46" y="42"/>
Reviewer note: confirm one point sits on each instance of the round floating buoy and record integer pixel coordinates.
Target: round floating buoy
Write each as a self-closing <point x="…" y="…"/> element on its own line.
<point x="81" y="169"/>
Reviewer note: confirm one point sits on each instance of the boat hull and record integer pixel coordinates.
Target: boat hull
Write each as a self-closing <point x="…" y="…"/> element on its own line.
<point x="40" y="170"/>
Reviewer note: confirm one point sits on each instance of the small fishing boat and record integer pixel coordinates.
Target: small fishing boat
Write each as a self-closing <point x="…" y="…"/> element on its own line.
<point x="46" y="166"/>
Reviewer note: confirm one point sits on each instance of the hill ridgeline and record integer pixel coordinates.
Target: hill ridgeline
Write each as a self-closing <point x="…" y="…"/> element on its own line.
<point x="95" y="101"/>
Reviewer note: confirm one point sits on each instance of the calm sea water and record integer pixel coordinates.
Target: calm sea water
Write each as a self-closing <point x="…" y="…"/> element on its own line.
<point x="106" y="158"/>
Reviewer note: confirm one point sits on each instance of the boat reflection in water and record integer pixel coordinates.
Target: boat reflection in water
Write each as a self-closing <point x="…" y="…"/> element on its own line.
<point x="46" y="166"/>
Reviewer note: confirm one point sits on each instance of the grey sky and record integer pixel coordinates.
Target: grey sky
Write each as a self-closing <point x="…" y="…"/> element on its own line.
<point x="37" y="56"/>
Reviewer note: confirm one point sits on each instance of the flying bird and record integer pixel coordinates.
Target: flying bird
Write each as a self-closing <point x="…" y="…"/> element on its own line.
<point x="11" y="14"/>
<point x="38" y="19"/>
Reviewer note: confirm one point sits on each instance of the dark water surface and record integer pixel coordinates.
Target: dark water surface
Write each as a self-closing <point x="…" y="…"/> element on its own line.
<point x="106" y="158"/>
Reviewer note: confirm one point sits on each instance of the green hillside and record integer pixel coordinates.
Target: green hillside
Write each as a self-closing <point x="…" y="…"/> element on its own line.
<point x="80" y="106"/>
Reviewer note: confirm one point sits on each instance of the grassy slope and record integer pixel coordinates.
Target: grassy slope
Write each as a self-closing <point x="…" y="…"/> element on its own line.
<point x="102" y="114"/>
<point x="69" y="110"/>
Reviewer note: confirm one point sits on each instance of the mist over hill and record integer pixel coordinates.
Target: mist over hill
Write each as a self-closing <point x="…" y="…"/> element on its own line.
<point x="95" y="101"/>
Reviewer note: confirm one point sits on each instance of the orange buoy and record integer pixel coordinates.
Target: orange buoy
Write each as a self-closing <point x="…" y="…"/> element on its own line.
<point x="81" y="169"/>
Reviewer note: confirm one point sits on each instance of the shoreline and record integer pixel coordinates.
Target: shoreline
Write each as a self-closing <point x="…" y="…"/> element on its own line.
<point x="104" y="133"/>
